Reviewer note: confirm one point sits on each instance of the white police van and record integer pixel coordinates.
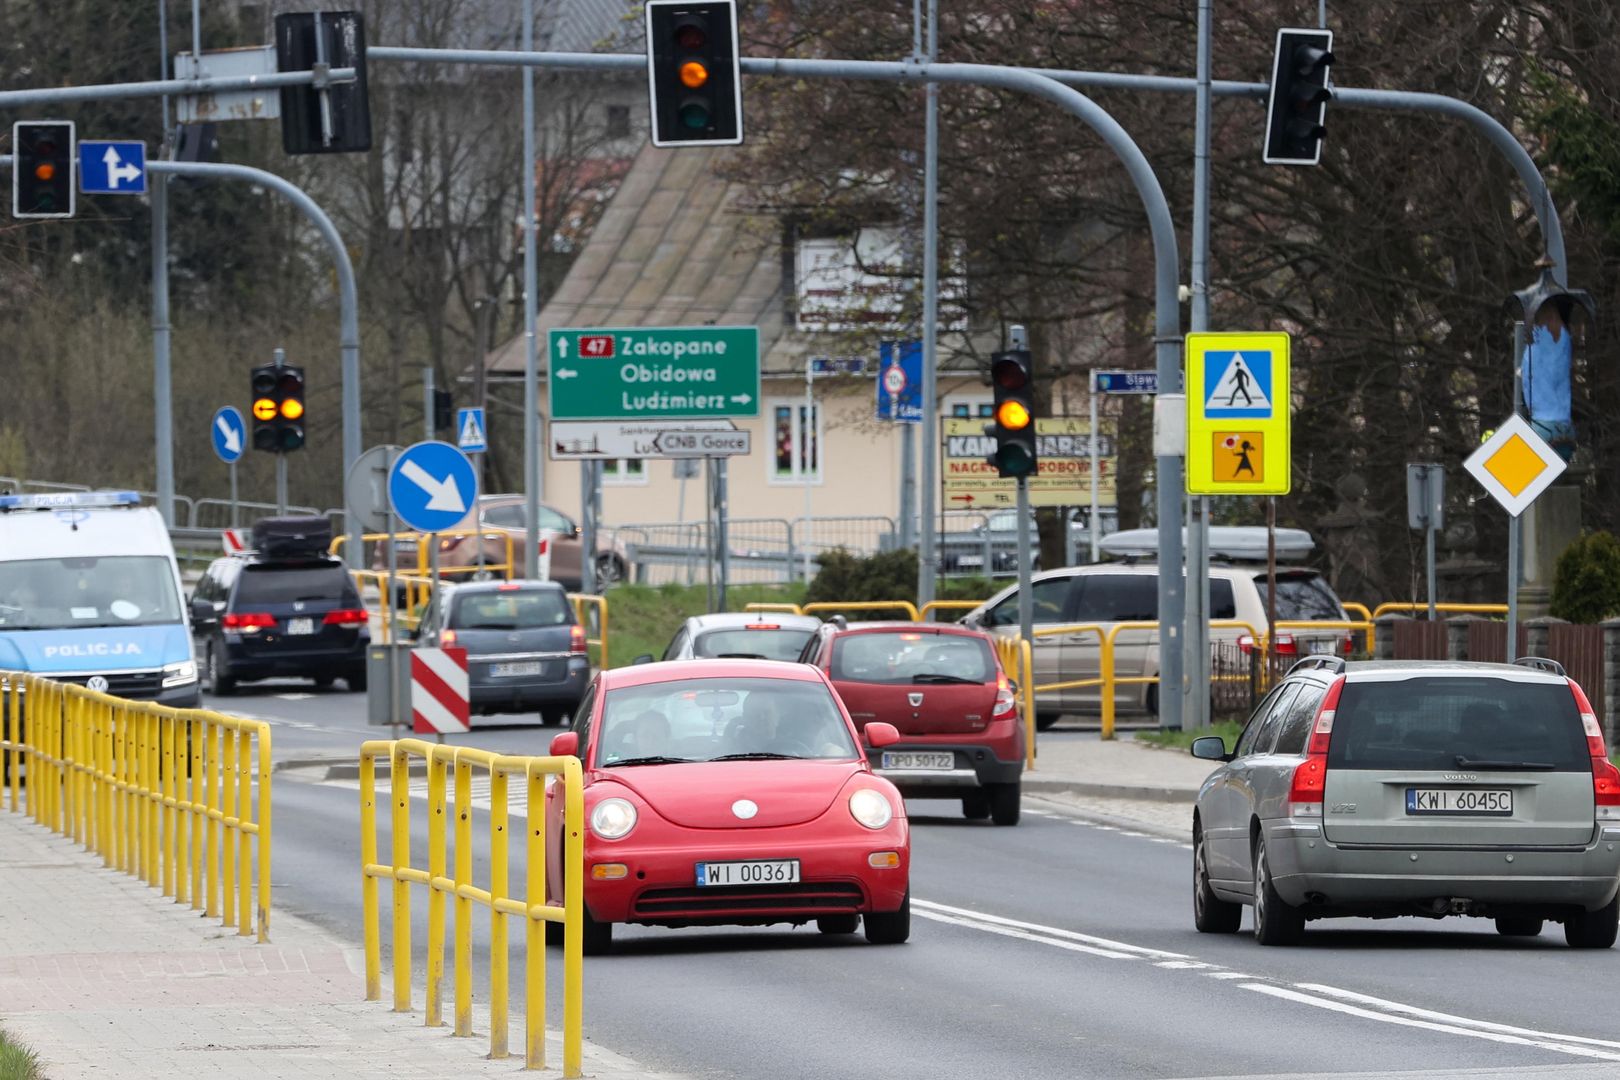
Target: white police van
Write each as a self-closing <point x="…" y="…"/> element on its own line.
<point x="90" y="594"/>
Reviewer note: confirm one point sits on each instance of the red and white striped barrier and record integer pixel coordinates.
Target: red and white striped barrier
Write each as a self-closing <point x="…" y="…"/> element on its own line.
<point x="234" y="541"/>
<point x="439" y="691"/>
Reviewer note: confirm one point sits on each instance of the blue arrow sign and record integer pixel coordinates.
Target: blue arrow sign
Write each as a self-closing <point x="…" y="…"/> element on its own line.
<point x="432" y="486"/>
<point x="112" y="168"/>
<point x="229" y="432"/>
<point x="470" y="431"/>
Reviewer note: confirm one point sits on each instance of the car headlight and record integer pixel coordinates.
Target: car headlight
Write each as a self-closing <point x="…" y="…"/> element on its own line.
<point x="179" y="674"/>
<point x="870" y="808"/>
<point x="612" y="819"/>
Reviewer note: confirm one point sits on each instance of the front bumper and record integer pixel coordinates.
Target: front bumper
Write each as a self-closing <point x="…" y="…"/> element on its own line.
<point x="660" y="886"/>
<point x="1308" y="870"/>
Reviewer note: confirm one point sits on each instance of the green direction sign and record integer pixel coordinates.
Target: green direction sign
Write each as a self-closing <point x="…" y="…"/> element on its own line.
<point x="646" y="373"/>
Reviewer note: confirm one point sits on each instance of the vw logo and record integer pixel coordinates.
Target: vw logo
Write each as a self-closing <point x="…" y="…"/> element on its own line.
<point x="97" y="682"/>
<point x="298" y="605"/>
<point x="915" y="699"/>
<point x="744" y="808"/>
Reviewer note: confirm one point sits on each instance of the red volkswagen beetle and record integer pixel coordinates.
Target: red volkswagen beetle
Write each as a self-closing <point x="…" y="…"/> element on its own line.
<point x="732" y="792"/>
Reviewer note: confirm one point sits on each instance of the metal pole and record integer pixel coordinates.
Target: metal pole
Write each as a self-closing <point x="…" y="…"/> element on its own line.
<point x="1018" y="338"/>
<point x="708" y="534"/>
<point x="1096" y="515"/>
<point x="1428" y="543"/>
<point x="587" y="539"/>
<point x="908" y="486"/>
<point x="721" y="510"/>
<point x="348" y="298"/>
<point x="281" y="457"/>
<point x="162" y="389"/>
<point x="1515" y="523"/>
<point x="1196" y="655"/>
<point x="926" y="557"/>
<point x="233" y="494"/>
<point x="531" y="363"/>
<point x="807" y="430"/>
<point x="196" y="29"/>
<point x="433" y="582"/>
<point x="1271" y="589"/>
<point x="395" y="598"/>
<point x="428" y="429"/>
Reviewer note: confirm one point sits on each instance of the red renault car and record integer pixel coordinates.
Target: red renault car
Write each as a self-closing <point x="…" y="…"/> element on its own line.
<point x="942" y="687"/>
<point x="732" y="792"/>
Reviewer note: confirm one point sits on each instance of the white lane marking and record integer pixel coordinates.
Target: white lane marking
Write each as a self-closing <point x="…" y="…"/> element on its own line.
<point x="1555" y="1043"/>
<point x="1229" y="975"/>
<point x="295" y="696"/>
<point x="478" y="792"/>
<point x="1183" y="965"/>
<point x="1448" y="1018"/>
<point x="1007" y="931"/>
<point x="1048" y="931"/>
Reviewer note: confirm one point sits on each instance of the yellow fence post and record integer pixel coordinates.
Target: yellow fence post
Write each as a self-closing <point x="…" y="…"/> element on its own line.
<point x="264" y="832"/>
<point x="499" y="978"/>
<point x="212" y="777"/>
<point x="436" y="879"/>
<point x="463" y="871"/>
<point x="244" y="838"/>
<point x="573" y="912"/>
<point x="534" y="926"/>
<point x="368" y="867"/>
<point x="228" y="821"/>
<point x="399" y="789"/>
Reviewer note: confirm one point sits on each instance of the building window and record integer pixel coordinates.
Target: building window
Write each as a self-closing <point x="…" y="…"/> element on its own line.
<point x="795" y="443"/>
<point x="618" y="121"/>
<point x="969" y="410"/>
<point x="624" y="471"/>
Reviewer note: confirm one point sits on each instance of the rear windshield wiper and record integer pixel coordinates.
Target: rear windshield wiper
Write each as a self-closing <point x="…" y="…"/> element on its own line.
<point x="937" y="677"/>
<point x="739" y="656"/>
<point x="759" y="755"/>
<point x="488" y="626"/>
<point x="650" y="759"/>
<point x="1506" y="766"/>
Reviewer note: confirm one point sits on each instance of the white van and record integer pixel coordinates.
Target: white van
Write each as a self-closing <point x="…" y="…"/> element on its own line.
<point x="90" y="594"/>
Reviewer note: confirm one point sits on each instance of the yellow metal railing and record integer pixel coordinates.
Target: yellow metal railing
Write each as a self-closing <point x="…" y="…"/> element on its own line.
<point x="511" y="567"/>
<point x="946" y="605"/>
<point x="582" y="602"/>
<point x="786" y="609"/>
<point x="448" y="875"/>
<point x="1017" y="661"/>
<point x="905" y="607"/>
<point x="164" y="794"/>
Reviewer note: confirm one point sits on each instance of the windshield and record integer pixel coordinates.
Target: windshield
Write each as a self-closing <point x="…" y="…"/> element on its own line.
<point x="717" y="719"/>
<point x="525" y="609"/>
<point x="1302" y="596"/>
<point x="772" y="644"/>
<point x="1431" y="723"/>
<point x="273" y="584"/>
<point x="907" y="656"/>
<point x="114" y="590"/>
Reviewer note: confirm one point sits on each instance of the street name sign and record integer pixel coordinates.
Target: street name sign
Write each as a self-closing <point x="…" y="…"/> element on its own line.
<point x="432" y="486"/>
<point x="1515" y="465"/>
<point x="1238" y="407"/>
<point x="605" y="440"/>
<point x="112" y="168"/>
<point x="1063" y="466"/>
<point x="229" y="434"/>
<point x="654" y="373"/>
<point x="1124" y="382"/>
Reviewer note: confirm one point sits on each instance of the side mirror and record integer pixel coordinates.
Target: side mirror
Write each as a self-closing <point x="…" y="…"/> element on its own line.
<point x="1210" y="748"/>
<point x="644" y="658"/>
<point x="565" y="744"/>
<point x="879" y="735"/>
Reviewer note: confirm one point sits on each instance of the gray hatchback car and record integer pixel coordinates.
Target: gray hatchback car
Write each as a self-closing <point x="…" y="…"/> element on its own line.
<point x="1382" y="789"/>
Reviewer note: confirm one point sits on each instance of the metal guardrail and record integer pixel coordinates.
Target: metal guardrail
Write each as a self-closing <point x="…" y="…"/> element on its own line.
<point x="164" y="794"/>
<point x="449" y="876"/>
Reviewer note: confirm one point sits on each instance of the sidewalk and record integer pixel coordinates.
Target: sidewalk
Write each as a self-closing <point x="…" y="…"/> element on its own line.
<point x="1120" y="768"/>
<point x="104" y="977"/>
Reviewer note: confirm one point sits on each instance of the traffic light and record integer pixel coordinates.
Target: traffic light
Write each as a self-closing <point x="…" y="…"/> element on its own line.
<point x="42" y="168"/>
<point x="1299" y="97"/>
<point x="278" y="408"/>
<point x="693" y="74"/>
<point x="443" y="410"/>
<point x="333" y="119"/>
<point x="1013" y="377"/>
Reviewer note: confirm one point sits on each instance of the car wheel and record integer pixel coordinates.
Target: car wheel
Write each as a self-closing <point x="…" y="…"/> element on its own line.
<point x="1045" y="720"/>
<point x="1151" y="701"/>
<point x="1518" y="926"/>
<point x="1275" y="922"/>
<point x="324" y="682"/>
<point x="356" y="680"/>
<point x="1593" y="929"/>
<point x="976" y="807"/>
<point x="1006" y="803"/>
<point x="890" y="927"/>
<point x="598" y="936"/>
<point x="219" y="683"/>
<point x="838" y="924"/>
<point x="609" y="571"/>
<point x="1211" y="914"/>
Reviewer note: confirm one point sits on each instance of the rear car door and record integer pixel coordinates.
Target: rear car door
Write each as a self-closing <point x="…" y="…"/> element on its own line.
<point x="1226" y="808"/>
<point x="1108" y="599"/>
<point x="1462" y="760"/>
<point x="1052" y="601"/>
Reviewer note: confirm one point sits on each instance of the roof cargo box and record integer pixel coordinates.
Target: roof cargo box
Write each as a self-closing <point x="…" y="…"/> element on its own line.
<point x="283" y="537"/>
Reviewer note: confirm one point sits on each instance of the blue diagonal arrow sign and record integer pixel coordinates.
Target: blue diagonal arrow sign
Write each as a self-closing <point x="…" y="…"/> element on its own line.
<point x="432" y="486"/>
<point x="229" y="434"/>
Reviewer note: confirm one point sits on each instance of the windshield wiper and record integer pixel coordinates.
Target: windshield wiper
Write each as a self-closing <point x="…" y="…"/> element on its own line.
<point x="759" y="755"/>
<point x="489" y="626"/>
<point x="1464" y="762"/>
<point x="739" y="656"/>
<point x="651" y="759"/>
<point x="937" y="677"/>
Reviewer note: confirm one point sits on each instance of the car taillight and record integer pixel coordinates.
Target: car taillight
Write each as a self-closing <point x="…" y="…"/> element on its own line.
<point x="450" y="543"/>
<point x="1310" y="776"/>
<point x="762" y="626"/>
<point x="250" y="621"/>
<point x="346" y="617"/>
<point x="1006" y="701"/>
<point x="1605" y="777"/>
<point x="576" y="638"/>
<point x="447" y="637"/>
<point x="1348" y="644"/>
<point x="1286" y="645"/>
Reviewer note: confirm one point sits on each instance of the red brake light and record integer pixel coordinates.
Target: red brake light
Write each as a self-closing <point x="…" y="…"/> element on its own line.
<point x="910" y="637"/>
<point x="346" y="617"/>
<point x="253" y="620"/>
<point x="1286" y="645"/>
<point x="576" y="638"/>
<point x="1006" y="701"/>
<point x="447" y="637"/>
<point x="1605" y="777"/>
<point x="508" y="586"/>
<point x="762" y="626"/>
<point x="1310" y="776"/>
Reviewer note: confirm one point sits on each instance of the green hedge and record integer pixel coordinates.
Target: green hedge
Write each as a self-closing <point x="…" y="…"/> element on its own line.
<point x="888" y="575"/>
<point x="1586" y="583"/>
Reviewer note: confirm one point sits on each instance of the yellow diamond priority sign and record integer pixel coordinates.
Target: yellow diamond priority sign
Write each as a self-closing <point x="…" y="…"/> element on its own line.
<point x="1515" y="465"/>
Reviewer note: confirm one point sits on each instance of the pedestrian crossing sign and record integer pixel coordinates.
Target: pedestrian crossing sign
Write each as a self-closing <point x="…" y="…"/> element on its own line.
<point x="470" y="435"/>
<point x="1237" y="414"/>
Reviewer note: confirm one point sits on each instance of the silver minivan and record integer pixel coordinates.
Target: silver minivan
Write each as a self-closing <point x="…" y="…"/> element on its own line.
<point x="1424" y="788"/>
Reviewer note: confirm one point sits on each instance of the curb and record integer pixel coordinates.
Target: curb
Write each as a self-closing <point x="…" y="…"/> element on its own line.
<point x="1097" y="790"/>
